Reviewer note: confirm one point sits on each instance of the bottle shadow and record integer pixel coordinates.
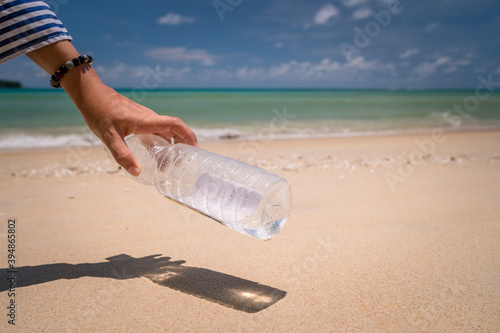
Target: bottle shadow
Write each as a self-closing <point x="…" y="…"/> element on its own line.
<point x="224" y="289"/>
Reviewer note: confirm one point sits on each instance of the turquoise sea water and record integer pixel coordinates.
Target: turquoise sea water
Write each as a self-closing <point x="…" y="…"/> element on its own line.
<point x="32" y="118"/>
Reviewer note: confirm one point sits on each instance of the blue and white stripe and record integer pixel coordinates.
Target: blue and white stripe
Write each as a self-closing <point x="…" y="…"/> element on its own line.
<point x="27" y="25"/>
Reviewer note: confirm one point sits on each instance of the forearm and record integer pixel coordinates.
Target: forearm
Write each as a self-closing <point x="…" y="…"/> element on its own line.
<point x="52" y="56"/>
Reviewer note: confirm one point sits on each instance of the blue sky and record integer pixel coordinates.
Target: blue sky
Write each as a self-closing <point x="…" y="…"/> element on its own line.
<point x="281" y="43"/>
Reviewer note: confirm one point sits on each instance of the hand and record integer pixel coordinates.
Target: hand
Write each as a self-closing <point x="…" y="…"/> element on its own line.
<point x="112" y="117"/>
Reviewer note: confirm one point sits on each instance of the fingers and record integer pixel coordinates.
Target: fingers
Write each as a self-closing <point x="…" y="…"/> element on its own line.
<point x="121" y="153"/>
<point x="168" y="127"/>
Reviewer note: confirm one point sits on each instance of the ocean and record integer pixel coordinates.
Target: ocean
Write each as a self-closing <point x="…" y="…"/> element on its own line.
<point x="42" y="118"/>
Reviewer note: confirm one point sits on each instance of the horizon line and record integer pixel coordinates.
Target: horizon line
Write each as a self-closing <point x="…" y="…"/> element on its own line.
<point x="253" y="88"/>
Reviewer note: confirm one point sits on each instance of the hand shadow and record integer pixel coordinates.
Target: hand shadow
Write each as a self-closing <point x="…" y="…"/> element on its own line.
<point x="224" y="289"/>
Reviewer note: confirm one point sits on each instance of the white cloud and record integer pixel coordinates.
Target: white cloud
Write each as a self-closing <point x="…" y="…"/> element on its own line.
<point x="452" y="66"/>
<point x="351" y="3"/>
<point x="426" y="69"/>
<point x="360" y="64"/>
<point x="497" y="70"/>
<point x="386" y="2"/>
<point x="325" y="70"/>
<point x="311" y="71"/>
<point x="175" y="19"/>
<point x="442" y="60"/>
<point x="325" y="14"/>
<point x="118" y="71"/>
<point x="432" y="26"/>
<point x="279" y="45"/>
<point x="450" y="70"/>
<point x="362" y="13"/>
<point x="124" y="75"/>
<point x="181" y="54"/>
<point x="463" y="62"/>
<point x="408" y="53"/>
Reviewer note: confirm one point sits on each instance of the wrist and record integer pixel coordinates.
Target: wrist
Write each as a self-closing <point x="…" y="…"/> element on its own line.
<point x="82" y="83"/>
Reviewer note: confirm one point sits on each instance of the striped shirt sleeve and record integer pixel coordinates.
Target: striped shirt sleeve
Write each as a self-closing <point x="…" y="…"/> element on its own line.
<point x="27" y="25"/>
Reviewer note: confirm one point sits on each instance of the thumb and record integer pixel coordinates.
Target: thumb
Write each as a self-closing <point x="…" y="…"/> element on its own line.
<point x="123" y="155"/>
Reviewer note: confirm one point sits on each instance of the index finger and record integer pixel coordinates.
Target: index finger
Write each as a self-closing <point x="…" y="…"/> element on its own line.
<point x="167" y="126"/>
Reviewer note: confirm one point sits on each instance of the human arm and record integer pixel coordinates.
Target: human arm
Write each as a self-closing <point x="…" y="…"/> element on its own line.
<point x="109" y="115"/>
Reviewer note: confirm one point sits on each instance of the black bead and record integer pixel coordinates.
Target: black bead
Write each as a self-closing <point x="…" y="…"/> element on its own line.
<point x="63" y="69"/>
<point x="76" y="62"/>
<point x="55" y="83"/>
<point x="82" y="59"/>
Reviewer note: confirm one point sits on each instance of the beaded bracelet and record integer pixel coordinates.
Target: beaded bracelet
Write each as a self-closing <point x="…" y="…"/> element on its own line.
<point x="83" y="59"/>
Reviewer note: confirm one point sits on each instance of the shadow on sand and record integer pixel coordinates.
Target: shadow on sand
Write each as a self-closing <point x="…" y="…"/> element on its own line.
<point x="224" y="289"/>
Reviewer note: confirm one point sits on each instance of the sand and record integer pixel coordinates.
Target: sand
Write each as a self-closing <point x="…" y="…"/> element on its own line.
<point x="393" y="234"/>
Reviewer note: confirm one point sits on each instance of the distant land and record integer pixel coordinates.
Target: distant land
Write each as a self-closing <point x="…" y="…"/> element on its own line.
<point x="10" y="84"/>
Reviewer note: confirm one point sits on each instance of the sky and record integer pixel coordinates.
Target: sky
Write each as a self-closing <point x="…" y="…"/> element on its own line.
<point x="387" y="44"/>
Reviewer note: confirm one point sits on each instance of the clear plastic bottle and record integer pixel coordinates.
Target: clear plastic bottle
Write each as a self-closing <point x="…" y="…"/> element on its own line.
<point x="241" y="196"/>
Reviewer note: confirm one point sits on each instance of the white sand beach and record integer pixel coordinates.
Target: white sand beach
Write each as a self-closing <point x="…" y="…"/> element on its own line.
<point x="381" y="237"/>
